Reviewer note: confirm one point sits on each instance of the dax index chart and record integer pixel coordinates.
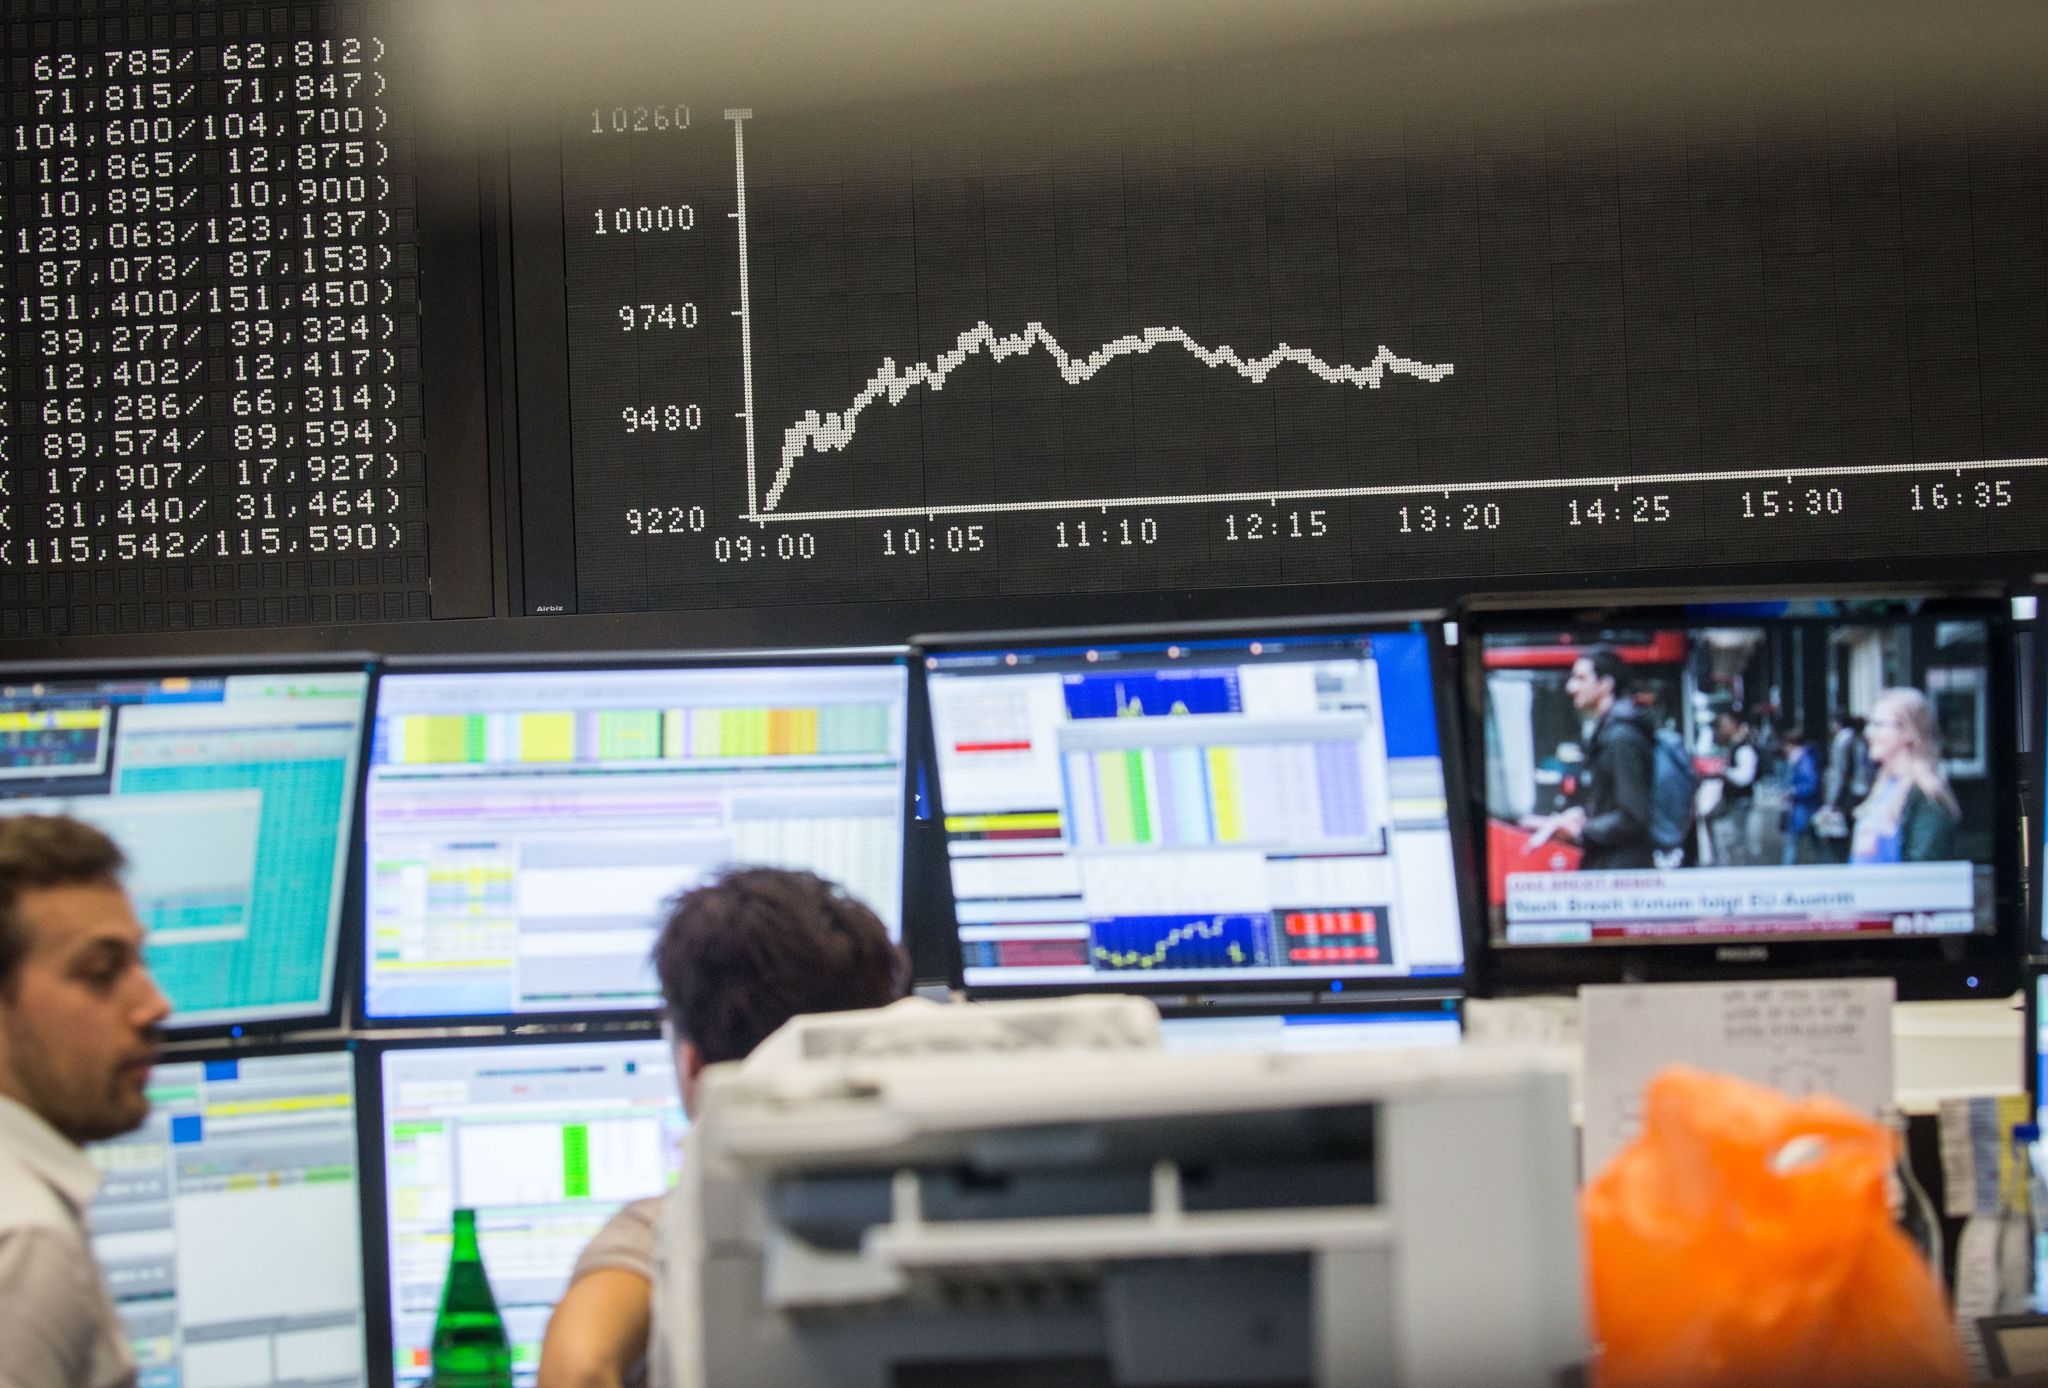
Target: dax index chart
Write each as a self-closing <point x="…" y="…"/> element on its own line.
<point x="881" y="369"/>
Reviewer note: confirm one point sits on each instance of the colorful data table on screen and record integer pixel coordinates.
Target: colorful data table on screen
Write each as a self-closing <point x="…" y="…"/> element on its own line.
<point x="206" y="1213"/>
<point x="526" y="826"/>
<point x="232" y="794"/>
<point x="546" y="1141"/>
<point x="1145" y="810"/>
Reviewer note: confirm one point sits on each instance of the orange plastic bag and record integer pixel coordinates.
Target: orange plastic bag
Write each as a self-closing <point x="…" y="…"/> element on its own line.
<point x="1745" y="1238"/>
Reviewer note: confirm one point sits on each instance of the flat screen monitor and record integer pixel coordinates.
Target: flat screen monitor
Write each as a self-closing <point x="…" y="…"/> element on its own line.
<point x="232" y="792"/>
<point x="523" y="826"/>
<point x="1394" y="1027"/>
<point x="2035" y="998"/>
<point x="229" y="1225"/>
<point x="545" y="1140"/>
<point x="2037" y="1038"/>
<point x="2035" y="683"/>
<point x="1192" y="811"/>
<point x="1748" y="790"/>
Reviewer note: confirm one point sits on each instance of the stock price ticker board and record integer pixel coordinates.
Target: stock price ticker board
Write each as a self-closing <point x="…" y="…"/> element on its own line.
<point x="947" y="369"/>
<point x="211" y="376"/>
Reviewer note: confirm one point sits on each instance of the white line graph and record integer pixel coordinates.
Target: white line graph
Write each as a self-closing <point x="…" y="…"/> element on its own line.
<point x="831" y="432"/>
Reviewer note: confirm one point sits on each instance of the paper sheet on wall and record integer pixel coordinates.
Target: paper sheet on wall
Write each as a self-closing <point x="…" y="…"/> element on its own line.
<point x="1976" y="1160"/>
<point x="1976" y="1150"/>
<point x="1827" y="1036"/>
<point x="1976" y="1289"/>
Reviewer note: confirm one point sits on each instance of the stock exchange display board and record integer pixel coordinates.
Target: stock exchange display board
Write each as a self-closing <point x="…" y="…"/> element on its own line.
<point x="651" y="343"/>
<point x="893" y="362"/>
<point x="211" y="393"/>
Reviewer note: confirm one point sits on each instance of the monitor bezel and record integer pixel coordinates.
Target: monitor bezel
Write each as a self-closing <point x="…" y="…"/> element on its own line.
<point x="1337" y="1006"/>
<point x="1930" y="967"/>
<point x="1279" y="995"/>
<point x="867" y="657"/>
<point x="373" y="1179"/>
<point x="2033" y="976"/>
<point x="349" y="908"/>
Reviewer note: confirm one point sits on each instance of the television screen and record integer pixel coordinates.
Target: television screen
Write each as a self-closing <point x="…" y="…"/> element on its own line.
<point x="232" y="794"/>
<point x="1188" y="811"/>
<point x="1743" y="778"/>
<point x="229" y="1226"/>
<point x="545" y="1141"/>
<point x="524" y="826"/>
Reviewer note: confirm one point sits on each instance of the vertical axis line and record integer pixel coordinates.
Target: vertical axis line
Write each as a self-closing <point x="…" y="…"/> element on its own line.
<point x="739" y="116"/>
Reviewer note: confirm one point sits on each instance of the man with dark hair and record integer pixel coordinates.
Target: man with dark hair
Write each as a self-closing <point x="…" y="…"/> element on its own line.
<point x="1729" y="827"/>
<point x="737" y="958"/>
<point x="1611" y="820"/>
<point x="79" y="1018"/>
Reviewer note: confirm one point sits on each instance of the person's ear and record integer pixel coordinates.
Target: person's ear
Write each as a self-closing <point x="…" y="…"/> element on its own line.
<point x="689" y="1065"/>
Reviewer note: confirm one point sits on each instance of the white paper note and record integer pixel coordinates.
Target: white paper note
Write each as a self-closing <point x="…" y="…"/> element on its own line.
<point x="1976" y="1288"/>
<point x="1827" y="1036"/>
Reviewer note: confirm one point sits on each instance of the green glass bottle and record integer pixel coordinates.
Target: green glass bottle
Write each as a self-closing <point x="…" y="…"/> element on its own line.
<point x="470" y="1349"/>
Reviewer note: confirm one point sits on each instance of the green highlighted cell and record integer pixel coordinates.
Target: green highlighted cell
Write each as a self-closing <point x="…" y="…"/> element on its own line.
<point x="628" y="734"/>
<point x="576" y="1161"/>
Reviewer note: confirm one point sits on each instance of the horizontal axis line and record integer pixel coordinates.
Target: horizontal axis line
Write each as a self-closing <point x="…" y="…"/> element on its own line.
<point x="1417" y="489"/>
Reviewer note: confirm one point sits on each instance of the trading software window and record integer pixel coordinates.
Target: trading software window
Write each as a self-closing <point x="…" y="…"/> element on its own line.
<point x="545" y="1142"/>
<point x="1195" y="812"/>
<point x="211" y="785"/>
<point x="525" y="829"/>
<point x="228" y="1225"/>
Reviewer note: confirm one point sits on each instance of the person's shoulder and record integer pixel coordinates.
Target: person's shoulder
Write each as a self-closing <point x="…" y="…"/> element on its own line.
<point x="627" y="1241"/>
<point x="48" y="1269"/>
<point x="1627" y="721"/>
<point x="27" y="1202"/>
<point x="1918" y="803"/>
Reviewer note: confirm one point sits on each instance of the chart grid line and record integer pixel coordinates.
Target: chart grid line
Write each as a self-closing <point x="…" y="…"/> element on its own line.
<point x="1410" y="489"/>
<point x="739" y="115"/>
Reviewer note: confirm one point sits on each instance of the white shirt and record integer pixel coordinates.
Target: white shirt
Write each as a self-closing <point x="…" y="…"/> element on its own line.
<point x="62" y="1331"/>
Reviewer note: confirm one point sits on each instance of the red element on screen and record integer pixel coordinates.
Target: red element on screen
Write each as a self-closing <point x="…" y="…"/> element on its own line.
<point x="1729" y="927"/>
<point x="1508" y="851"/>
<point x="1331" y="923"/>
<point x="1663" y="648"/>
<point x="1040" y="954"/>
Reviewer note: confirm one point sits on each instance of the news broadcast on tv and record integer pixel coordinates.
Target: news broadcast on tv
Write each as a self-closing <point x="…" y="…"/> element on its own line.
<point x="1739" y="777"/>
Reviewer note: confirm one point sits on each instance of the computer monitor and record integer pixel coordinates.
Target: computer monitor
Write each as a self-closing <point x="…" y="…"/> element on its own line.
<point x="232" y="789"/>
<point x="1198" y="810"/>
<point x="1747" y="789"/>
<point x="1389" y="1026"/>
<point x="524" y="824"/>
<point x="2034" y="680"/>
<point x="544" y="1138"/>
<point x="229" y="1225"/>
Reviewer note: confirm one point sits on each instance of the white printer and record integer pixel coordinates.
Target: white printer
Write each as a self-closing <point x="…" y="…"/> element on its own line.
<point x="1033" y="1194"/>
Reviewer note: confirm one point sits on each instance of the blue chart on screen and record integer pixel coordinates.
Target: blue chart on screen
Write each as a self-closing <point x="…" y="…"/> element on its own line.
<point x="1152" y="695"/>
<point x="1182" y="942"/>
